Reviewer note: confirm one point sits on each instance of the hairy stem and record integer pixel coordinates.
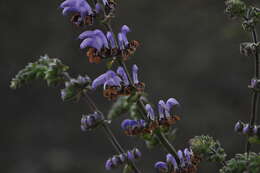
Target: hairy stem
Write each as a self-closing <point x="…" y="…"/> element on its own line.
<point x="111" y="135"/>
<point x="255" y="95"/>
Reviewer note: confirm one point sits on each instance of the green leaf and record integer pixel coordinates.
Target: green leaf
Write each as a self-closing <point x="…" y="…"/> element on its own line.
<point x="254" y="140"/>
<point x="242" y="163"/>
<point x="45" y="68"/>
<point x="207" y="148"/>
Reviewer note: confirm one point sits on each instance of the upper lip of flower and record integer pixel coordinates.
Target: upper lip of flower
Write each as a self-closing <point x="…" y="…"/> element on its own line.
<point x="79" y="6"/>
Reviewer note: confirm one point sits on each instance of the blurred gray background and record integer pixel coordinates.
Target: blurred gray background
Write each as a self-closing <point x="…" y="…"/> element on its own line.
<point x="190" y="51"/>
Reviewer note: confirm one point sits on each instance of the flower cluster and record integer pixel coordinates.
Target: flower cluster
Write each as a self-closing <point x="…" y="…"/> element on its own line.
<point x="117" y="83"/>
<point x="91" y="121"/>
<point x="121" y="159"/>
<point x="186" y="162"/>
<point x="101" y="46"/>
<point x="165" y="119"/>
<point x="246" y="129"/>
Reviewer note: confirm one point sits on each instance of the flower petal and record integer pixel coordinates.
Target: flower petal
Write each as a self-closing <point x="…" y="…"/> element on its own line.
<point x="135" y="74"/>
<point x="120" y="71"/>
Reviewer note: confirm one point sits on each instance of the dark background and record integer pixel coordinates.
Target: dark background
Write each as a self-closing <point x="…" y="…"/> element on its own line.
<point x="190" y="51"/>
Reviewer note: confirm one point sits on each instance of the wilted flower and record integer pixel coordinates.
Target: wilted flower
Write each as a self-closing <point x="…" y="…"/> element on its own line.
<point x="117" y="83"/>
<point x="123" y="158"/>
<point x="101" y="46"/>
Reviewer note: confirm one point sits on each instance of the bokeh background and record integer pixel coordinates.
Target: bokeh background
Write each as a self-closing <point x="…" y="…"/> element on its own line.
<point x="190" y="51"/>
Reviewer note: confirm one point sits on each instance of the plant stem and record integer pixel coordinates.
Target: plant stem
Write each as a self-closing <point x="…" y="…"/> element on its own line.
<point x="110" y="135"/>
<point x="162" y="138"/>
<point x="255" y="95"/>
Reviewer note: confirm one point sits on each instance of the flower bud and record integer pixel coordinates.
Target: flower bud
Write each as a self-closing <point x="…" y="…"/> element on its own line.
<point x="161" y="167"/>
<point x="239" y="127"/>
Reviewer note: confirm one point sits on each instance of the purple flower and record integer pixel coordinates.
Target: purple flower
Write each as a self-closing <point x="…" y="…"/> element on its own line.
<point x="115" y="160"/>
<point x="122" y="157"/>
<point x="137" y="153"/>
<point x="171" y="160"/>
<point x="126" y="124"/>
<point x="109" y="164"/>
<point x="161" y="167"/>
<point x="135" y="75"/>
<point x="169" y="104"/>
<point x="130" y="156"/>
<point x="76" y="6"/>
<point x="161" y="109"/>
<point x="187" y="154"/>
<point x="246" y="129"/>
<point x="124" y="30"/>
<point x="239" y="127"/>
<point x="103" y="78"/>
<point x="98" y="8"/>
<point x="114" y="81"/>
<point x="150" y="112"/>
<point x="122" y="73"/>
<point x="111" y="40"/>
<point x="120" y="41"/>
<point x="95" y="39"/>
<point x="181" y="158"/>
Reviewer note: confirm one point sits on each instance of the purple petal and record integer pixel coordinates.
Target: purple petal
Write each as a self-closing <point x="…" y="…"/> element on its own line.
<point x="126" y="124"/>
<point x="161" y="109"/>
<point x="84" y="8"/>
<point x="169" y="104"/>
<point x="103" y="78"/>
<point x="161" y="166"/>
<point x="109" y="164"/>
<point x="180" y="155"/>
<point x="246" y="129"/>
<point x="124" y="30"/>
<point x="98" y="8"/>
<point x="150" y="112"/>
<point x="68" y="10"/>
<point x="68" y="3"/>
<point x="135" y="74"/>
<point x="130" y="156"/>
<point x="111" y="40"/>
<point x="120" y="41"/>
<point x="122" y="73"/>
<point x="137" y="153"/>
<point x="239" y="127"/>
<point x="188" y="156"/>
<point x="170" y="159"/>
<point x="89" y="42"/>
<point x="102" y="36"/>
<point x="115" y="160"/>
<point x="122" y="157"/>
<point x="86" y="34"/>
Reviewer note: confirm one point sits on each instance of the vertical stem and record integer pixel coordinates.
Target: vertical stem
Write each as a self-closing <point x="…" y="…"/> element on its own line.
<point x="255" y="95"/>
